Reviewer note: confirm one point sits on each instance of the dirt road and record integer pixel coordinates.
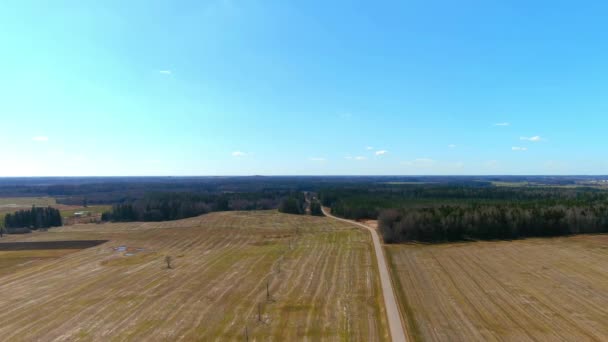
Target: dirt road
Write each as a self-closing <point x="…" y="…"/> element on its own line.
<point x="392" y="309"/>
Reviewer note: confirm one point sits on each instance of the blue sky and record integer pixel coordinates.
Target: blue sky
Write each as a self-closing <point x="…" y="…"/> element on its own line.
<point x="231" y="87"/>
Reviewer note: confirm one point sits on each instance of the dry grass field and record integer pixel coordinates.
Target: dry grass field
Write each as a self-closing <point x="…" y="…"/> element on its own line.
<point x="322" y="279"/>
<point x="25" y="202"/>
<point x="526" y="290"/>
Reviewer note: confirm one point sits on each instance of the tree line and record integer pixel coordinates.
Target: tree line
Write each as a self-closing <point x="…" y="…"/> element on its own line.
<point x="35" y="218"/>
<point x="487" y="222"/>
<point x="315" y="208"/>
<point x="164" y="206"/>
<point x="435" y="213"/>
<point x="366" y="202"/>
<point x="295" y="203"/>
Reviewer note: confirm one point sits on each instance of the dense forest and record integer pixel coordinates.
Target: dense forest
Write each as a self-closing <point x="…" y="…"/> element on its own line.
<point x="294" y="204"/>
<point x="315" y="208"/>
<point x="35" y="218"/>
<point x="485" y="222"/>
<point x="112" y="190"/>
<point x="409" y="208"/>
<point x="434" y="213"/>
<point x="366" y="202"/>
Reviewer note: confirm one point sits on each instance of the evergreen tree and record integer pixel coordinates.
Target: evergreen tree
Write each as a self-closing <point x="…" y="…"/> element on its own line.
<point x="315" y="209"/>
<point x="34" y="218"/>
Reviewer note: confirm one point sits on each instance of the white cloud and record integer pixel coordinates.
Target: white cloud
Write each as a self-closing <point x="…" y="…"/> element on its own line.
<point x="318" y="159"/>
<point x="165" y="72"/>
<point x="41" y="138"/>
<point x="360" y="158"/>
<point x="348" y="157"/>
<point x="451" y="146"/>
<point x="535" y="138"/>
<point x="238" y="154"/>
<point x="518" y="148"/>
<point x="381" y="152"/>
<point x="369" y="148"/>
<point x="502" y="124"/>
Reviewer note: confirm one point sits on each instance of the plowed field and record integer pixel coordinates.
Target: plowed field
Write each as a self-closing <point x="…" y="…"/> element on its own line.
<point x="321" y="278"/>
<point x="526" y="290"/>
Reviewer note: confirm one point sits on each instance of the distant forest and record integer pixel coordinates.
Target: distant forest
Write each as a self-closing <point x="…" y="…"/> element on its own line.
<point x="294" y="204"/>
<point x="163" y="206"/>
<point x="435" y="213"/>
<point x="488" y="222"/>
<point x="409" y="208"/>
<point x="112" y="190"/>
<point x="34" y="218"/>
<point x="315" y="209"/>
<point x="366" y="202"/>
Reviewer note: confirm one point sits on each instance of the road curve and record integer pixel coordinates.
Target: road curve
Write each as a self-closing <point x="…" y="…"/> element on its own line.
<point x="392" y="309"/>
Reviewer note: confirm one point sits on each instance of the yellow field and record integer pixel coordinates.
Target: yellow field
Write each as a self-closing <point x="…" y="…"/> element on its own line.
<point x="527" y="290"/>
<point x="12" y="261"/>
<point x="322" y="279"/>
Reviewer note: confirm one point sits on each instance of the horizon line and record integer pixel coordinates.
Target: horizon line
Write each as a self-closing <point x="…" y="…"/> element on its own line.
<point x="312" y="175"/>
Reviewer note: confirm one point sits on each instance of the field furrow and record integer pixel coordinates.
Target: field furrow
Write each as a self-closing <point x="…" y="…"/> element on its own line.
<point x="525" y="290"/>
<point x="122" y="289"/>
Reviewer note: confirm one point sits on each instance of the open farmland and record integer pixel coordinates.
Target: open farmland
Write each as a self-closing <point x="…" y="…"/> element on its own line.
<point x="68" y="212"/>
<point x="6" y="202"/>
<point x="525" y="290"/>
<point x="11" y="204"/>
<point x="323" y="284"/>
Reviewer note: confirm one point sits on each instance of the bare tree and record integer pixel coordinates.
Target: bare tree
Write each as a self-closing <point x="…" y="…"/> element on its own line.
<point x="267" y="290"/>
<point x="259" y="312"/>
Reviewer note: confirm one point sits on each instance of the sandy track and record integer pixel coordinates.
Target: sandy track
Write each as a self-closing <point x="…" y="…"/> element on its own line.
<point x="222" y="263"/>
<point x="392" y="309"/>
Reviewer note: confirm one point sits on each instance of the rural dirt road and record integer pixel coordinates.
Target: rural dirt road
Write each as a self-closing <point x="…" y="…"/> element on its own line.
<point x="392" y="309"/>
